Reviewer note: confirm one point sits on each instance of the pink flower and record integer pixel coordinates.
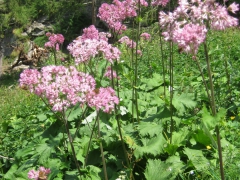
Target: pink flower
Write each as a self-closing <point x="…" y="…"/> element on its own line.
<point x="202" y="13"/>
<point x="190" y="37"/>
<point x="93" y="43"/>
<point x="160" y="3"/>
<point x="90" y="33"/>
<point x="54" y="40"/>
<point x="114" y="14"/>
<point x="139" y="52"/>
<point x="62" y="87"/>
<point x="110" y="73"/>
<point x="233" y="8"/>
<point x="103" y="98"/>
<point x="145" y="36"/>
<point x="40" y="174"/>
<point x="126" y="40"/>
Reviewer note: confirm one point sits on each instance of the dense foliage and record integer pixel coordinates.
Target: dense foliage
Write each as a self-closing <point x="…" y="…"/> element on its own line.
<point x="152" y="103"/>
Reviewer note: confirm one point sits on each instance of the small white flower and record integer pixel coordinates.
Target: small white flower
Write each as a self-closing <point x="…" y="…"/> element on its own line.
<point x="191" y="172"/>
<point x="123" y="110"/>
<point x="170" y="88"/>
<point x="90" y="118"/>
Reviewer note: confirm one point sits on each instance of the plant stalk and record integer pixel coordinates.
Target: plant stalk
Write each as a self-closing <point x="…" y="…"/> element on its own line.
<point x="71" y="144"/>
<point x="101" y="148"/>
<point x="163" y="66"/>
<point x="171" y="89"/>
<point x="213" y="107"/>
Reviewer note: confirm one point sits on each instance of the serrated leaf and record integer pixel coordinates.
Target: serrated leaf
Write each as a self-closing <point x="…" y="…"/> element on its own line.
<point x="10" y="174"/>
<point x="211" y="121"/>
<point x="152" y="83"/>
<point x="197" y="159"/>
<point x="154" y="167"/>
<point x="183" y="101"/>
<point x="179" y="138"/>
<point x="151" y="129"/>
<point x="201" y="137"/>
<point x="75" y="112"/>
<point x="153" y="146"/>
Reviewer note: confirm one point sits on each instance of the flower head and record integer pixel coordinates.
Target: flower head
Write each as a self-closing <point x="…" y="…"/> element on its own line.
<point x="62" y="87"/>
<point x="233" y="8"/>
<point x="145" y="36"/>
<point x="110" y="73"/>
<point x="160" y="2"/>
<point x="40" y="174"/>
<point x="190" y="37"/>
<point x="93" y="43"/>
<point x="103" y="98"/>
<point x="54" y="40"/>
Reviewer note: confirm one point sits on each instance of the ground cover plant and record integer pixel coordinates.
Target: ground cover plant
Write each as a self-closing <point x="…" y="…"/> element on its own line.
<point x="155" y="102"/>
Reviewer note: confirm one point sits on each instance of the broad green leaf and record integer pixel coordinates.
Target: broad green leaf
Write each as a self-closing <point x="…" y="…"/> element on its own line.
<point x="157" y="170"/>
<point x="10" y="174"/>
<point x="70" y="175"/>
<point x="176" y="164"/>
<point x="201" y="137"/>
<point x="208" y="120"/>
<point x="161" y="170"/>
<point x="211" y="121"/>
<point x="171" y="149"/>
<point x="153" y="146"/>
<point x="75" y="112"/>
<point x="180" y="138"/>
<point x="148" y="128"/>
<point x="152" y="83"/>
<point x="183" y="101"/>
<point x="196" y="158"/>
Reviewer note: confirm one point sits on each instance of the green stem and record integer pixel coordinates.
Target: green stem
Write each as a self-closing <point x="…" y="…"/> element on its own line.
<point x="91" y="136"/>
<point x="163" y="66"/>
<point x="71" y="144"/>
<point x="55" y="56"/>
<point x="171" y="89"/>
<point x="213" y="107"/>
<point x="80" y="122"/>
<point x="136" y="64"/>
<point x="101" y="148"/>
<point x="204" y="80"/>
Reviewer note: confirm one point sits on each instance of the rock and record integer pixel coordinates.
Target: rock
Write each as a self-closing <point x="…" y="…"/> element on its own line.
<point x="38" y="28"/>
<point x="38" y="33"/>
<point x="21" y="67"/>
<point x="24" y="34"/>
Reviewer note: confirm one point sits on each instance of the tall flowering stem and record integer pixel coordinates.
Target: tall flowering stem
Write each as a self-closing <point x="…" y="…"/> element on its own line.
<point x="71" y="143"/>
<point x="101" y="149"/>
<point x="214" y="112"/>
<point x="163" y="65"/>
<point x="55" y="40"/>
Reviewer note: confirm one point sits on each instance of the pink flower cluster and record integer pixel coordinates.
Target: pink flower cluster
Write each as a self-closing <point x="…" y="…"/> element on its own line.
<point x="93" y="43"/>
<point x="41" y="173"/>
<point x="114" y="14"/>
<point x="196" y="13"/>
<point x="61" y="86"/>
<point x="190" y="37"/>
<point x="54" y="40"/>
<point x="131" y="44"/>
<point x="160" y="2"/>
<point x="145" y="36"/>
<point x="103" y="98"/>
<point x="126" y="40"/>
<point x="65" y="87"/>
<point x="109" y="73"/>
